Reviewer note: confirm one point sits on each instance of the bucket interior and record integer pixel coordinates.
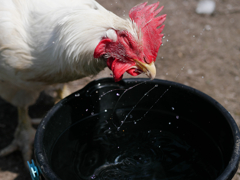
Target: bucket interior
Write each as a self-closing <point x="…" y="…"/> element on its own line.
<point x="135" y="129"/>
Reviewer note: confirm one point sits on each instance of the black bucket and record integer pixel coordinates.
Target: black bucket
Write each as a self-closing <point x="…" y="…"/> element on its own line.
<point x="137" y="129"/>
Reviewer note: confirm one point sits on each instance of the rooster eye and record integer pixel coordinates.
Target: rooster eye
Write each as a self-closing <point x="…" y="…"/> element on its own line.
<point x="126" y="40"/>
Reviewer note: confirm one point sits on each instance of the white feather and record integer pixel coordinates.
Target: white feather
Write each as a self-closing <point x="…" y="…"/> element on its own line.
<point x="45" y="42"/>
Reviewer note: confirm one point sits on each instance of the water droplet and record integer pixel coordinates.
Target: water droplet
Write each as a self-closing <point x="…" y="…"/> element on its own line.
<point x="173" y="108"/>
<point x="163" y="37"/>
<point x="167" y="40"/>
<point x="177" y="117"/>
<point x="156" y="85"/>
<point x="96" y="91"/>
<point x="131" y="116"/>
<point x="86" y="109"/>
<point x="193" y="36"/>
<point x="117" y="94"/>
<point x="99" y="84"/>
<point x="149" y="131"/>
<point x="159" y="146"/>
<point x="77" y="95"/>
<point x="105" y="110"/>
<point x="99" y="98"/>
<point x="169" y="123"/>
<point x="93" y="177"/>
<point x="109" y="128"/>
<point x="118" y="147"/>
<point x="92" y="113"/>
<point x="166" y="73"/>
<point x="160" y="130"/>
<point x="208" y="27"/>
<point x="118" y="128"/>
<point x="135" y="122"/>
<point x="190" y="71"/>
<point x="202" y="76"/>
<point x="122" y="122"/>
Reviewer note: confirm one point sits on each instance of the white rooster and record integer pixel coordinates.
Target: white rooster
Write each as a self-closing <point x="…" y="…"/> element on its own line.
<point x="45" y="42"/>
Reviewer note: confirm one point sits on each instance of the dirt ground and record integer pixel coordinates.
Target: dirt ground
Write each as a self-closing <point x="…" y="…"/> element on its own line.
<point x="200" y="51"/>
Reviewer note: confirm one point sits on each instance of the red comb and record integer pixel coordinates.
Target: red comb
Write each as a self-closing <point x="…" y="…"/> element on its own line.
<point x="144" y="17"/>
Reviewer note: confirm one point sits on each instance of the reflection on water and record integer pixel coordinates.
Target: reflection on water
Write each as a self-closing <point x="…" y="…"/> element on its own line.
<point x="153" y="148"/>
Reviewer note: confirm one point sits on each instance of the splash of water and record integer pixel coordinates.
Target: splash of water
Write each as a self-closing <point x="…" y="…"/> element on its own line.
<point x="155" y="86"/>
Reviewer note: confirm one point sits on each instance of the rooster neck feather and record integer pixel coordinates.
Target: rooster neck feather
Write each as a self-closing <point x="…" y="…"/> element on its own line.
<point x="63" y="38"/>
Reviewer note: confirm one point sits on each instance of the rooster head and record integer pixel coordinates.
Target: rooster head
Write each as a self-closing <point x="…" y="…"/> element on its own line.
<point x="126" y="53"/>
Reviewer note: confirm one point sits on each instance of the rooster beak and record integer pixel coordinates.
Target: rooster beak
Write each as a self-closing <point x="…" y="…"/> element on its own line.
<point x="148" y="69"/>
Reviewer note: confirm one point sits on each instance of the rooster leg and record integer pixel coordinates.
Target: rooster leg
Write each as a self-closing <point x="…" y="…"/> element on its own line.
<point x="62" y="93"/>
<point x="23" y="137"/>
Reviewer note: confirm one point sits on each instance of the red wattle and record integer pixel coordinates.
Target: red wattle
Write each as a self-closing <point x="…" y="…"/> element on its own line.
<point x="119" y="67"/>
<point x="133" y="72"/>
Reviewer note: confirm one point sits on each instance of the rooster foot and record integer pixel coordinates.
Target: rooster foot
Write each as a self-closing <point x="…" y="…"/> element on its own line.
<point x="23" y="137"/>
<point x="23" y="140"/>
